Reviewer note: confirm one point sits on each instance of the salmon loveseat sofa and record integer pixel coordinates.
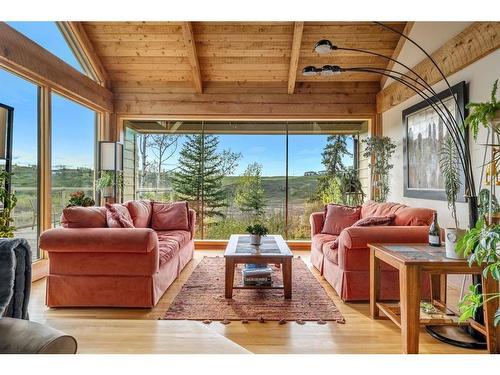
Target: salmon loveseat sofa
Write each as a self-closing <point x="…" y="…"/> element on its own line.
<point x="91" y="264"/>
<point x="347" y="268"/>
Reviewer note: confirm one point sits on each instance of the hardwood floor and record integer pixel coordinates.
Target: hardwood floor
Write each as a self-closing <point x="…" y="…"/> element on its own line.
<point x="113" y="330"/>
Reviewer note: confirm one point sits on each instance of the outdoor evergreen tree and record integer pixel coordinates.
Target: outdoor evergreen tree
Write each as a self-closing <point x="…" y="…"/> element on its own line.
<point x="249" y="191"/>
<point x="199" y="175"/>
<point x="335" y="149"/>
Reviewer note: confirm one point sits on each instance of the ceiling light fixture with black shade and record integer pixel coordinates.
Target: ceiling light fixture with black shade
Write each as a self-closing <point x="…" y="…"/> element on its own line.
<point x="420" y="86"/>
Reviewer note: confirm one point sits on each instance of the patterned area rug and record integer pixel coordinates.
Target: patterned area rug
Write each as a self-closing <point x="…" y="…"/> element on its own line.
<point x="202" y="297"/>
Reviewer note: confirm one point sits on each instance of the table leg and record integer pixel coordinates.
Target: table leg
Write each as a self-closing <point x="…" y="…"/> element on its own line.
<point x="490" y="286"/>
<point x="287" y="277"/>
<point x="229" y="277"/>
<point x="374" y="284"/>
<point x="438" y="288"/>
<point x="409" y="289"/>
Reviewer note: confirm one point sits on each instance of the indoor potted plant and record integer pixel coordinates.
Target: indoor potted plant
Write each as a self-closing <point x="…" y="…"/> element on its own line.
<point x="351" y="187"/>
<point x="379" y="150"/>
<point x="78" y="198"/>
<point x="105" y="183"/>
<point x="256" y="232"/>
<point x="481" y="244"/>
<point x="450" y="167"/>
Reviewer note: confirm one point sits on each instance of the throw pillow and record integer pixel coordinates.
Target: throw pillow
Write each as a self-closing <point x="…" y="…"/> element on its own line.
<point x="140" y="212"/>
<point x="170" y="216"/>
<point x="374" y="220"/>
<point x="118" y="216"/>
<point x="339" y="217"/>
<point x="83" y="217"/>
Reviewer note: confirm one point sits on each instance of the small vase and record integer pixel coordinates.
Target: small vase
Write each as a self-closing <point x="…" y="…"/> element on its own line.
<point x="452" y="236"/>
<point x="255" y="239"/>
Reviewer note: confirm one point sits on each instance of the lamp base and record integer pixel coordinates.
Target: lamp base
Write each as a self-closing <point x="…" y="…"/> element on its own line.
<point x="463" y="337"/>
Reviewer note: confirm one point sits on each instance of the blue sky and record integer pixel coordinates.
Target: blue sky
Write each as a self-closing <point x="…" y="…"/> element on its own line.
<point x="72" y="124"/>
<point x="269" y="150"/>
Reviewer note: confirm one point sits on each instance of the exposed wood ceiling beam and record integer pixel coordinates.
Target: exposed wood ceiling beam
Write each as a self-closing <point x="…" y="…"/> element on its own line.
<point x="273" y="105"/>
<point x="187" y="32"/>
<point x="475" y="42"/>
<point x="23" y="56"/>
<point x="397" y="51"/>
<point x="77" y="37"/>
<point x="294" y="55"/>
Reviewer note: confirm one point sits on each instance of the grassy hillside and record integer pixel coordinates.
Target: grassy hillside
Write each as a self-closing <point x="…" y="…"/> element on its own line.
<point x="301" y="188"/>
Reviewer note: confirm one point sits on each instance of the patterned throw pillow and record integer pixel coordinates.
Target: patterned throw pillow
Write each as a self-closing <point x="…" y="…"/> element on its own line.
<point x="118" y="216"/>
<point x="374" y="221"/>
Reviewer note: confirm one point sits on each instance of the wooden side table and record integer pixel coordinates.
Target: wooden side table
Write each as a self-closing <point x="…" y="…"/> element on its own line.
<point x="412" y="260"/>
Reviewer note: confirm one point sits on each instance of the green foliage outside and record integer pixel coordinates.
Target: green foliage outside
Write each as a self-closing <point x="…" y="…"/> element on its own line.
<point x="199" y="176"/>
<point x="249" y="195"/>
<point x="8" y="201"/>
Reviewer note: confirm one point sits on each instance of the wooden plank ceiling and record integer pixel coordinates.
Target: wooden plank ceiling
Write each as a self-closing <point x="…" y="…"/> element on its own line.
<point x="253" y="57"/>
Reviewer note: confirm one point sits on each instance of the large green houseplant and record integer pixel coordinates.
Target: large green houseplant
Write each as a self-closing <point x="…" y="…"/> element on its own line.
<point x="106" y="183"/>
<point x="379" y="151"/>
<point x="8" y="200"/>
<point x="344" y="188"/>
<point x="481" y="244"/>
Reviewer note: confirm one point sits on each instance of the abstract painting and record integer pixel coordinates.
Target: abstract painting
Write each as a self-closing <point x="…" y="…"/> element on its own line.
<point x="425" y="133"/>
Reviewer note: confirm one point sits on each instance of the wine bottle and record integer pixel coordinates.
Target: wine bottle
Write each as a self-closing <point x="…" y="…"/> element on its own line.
<point x="434" y="232"/>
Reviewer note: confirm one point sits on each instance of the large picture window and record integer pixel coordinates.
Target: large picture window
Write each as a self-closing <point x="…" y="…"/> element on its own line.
<point x="22" y="97"/>
<point x="238" y="173"/>
<point x="73" y="152"/>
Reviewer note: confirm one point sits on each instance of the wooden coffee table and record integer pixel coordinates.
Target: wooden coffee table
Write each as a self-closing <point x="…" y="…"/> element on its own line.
<point x="273" y="250"/>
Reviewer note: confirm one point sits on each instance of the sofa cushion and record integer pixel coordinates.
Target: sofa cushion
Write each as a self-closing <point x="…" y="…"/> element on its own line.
<point x="84" y="217"/>
<point x="416" y="216"/>
<point x="372" y="208"/>
<point x="117" y="216"/>
<point x="331" y="253"/>
<point x="374" y="221"/>
<point x="170" y="216"/>
<point x="339" y="217"/>
<point x="319" y="240"/>
<point x="170" y="242"/>
<point x="140" y="212"/>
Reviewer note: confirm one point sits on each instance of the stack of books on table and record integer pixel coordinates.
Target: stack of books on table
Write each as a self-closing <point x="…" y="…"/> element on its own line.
<point x="257" y="275"/>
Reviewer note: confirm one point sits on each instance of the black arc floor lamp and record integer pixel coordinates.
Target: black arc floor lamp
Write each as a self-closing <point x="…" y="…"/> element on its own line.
<point x="416" y="83"/>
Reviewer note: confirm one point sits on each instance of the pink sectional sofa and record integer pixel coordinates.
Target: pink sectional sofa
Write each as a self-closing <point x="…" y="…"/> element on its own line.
<point x="346" y="268"/>
<point x="91" y="264"/>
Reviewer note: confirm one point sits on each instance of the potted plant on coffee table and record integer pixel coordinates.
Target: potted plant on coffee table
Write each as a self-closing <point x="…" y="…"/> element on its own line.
<point x="257" y="231"/>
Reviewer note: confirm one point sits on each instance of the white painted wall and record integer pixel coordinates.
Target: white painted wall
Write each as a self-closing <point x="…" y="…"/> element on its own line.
<point x="480" y="76"/>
